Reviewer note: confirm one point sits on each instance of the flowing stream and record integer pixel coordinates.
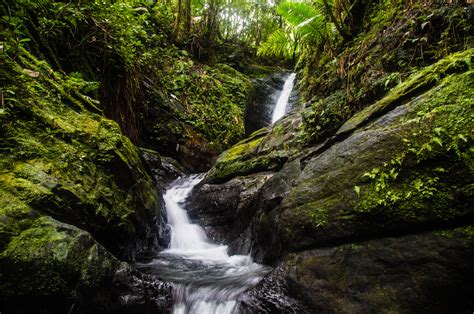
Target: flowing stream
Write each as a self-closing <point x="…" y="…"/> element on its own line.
<point x="282" y="103"/>
<point x="205" y="278"/>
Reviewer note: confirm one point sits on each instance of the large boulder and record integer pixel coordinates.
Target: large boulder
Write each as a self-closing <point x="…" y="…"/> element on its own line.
<point x="55" y="267"/>
<point x="426" y="272"/>
<point x="397" y="169"/>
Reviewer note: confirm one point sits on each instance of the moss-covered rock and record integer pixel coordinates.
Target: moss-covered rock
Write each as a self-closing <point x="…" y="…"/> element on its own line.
<point x="411" y="168"/>
<point x="69" y="180"/>
<point x="267" y="149"/>
<point x="59" y="159"/>
<point x="54" y="259"/>
<point x="53" y="267"/>
<point x="415" y="85"/>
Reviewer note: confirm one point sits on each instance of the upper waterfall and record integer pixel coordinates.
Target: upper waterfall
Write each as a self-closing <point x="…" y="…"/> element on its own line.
<point x="282" y="103"/>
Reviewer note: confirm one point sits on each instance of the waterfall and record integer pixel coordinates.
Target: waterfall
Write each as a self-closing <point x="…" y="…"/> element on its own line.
<point x="205" y="278"/>
<point x="282" y="103"/>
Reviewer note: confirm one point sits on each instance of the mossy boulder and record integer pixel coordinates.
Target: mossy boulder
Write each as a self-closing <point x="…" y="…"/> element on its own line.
<point x="60" y="159"/>
<point x="54" y="267"/>
<point x="53" y="259"/>
<point x="267" y="149"/>
<point x="74" y="192"/>
<point x="411" y="168"/>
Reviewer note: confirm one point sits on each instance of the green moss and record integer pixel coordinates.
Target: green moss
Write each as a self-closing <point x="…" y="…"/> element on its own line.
<point x="50" y="258"/>
<point x="241" y="150"/>
<point x="466" y="231"/>
<point x="445" y="132"/>
<point x="258" y="133"/>
<point x="227" y="169"/>
<point x="259" y="71"/>
<point x="15" y="216"/>
<point x="213" y="99"/>
<point x="63" y="160"/>
<point x="413" y="86"/>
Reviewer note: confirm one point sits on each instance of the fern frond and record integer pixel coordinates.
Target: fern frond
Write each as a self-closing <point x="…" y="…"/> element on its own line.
<point x="295" y="13"/>
<point x="305" y="19"/>
<point x="278" y="44"/>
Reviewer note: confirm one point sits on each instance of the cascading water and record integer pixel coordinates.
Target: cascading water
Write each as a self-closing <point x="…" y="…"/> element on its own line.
<point x="282" y="103"/>
<point x="205" y="278"/>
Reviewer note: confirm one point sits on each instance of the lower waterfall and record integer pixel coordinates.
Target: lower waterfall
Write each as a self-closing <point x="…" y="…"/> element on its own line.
<point x="205" y="278"/>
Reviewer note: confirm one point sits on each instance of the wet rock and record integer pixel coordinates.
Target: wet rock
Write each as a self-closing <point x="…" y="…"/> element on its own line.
<point x="56" y="267"/>
<point x="226" y="210"/>
<point x="164" y="169"/>
<point x="135" y="292"/>
<point x="428" y="272"/>
<point x="272" y="295"/>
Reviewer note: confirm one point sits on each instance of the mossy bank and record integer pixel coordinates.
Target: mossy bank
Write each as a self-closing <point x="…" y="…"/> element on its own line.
<point x="75" y="194"/>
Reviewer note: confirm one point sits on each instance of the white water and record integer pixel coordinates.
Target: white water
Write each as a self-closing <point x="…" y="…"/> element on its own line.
<point x="282" y="103"/>
<point x="205" y="278"/>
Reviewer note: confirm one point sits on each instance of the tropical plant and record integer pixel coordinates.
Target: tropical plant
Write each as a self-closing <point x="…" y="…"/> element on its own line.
<point x="305" y="25"/>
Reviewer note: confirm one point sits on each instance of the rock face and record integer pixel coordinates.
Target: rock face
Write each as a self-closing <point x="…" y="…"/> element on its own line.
<point x="258" y="113"/>
<point x="75" y="195"/>
<point x="427" y="272"/>
<point x="377" y="217"/>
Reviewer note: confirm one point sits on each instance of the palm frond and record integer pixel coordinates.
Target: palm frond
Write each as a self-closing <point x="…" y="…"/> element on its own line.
<point x="305" y="19"/>
<point x="295" y="13"/>
<point x="278" y="44"/>
<point x="306" y="25"/>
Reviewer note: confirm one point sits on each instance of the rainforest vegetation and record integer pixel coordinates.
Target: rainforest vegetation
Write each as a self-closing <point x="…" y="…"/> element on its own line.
<point x="359" y="199"/>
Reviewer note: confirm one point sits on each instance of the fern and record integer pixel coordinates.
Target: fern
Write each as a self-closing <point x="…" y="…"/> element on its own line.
<point x="306" y="25"/>
<point x="279" y="43"/>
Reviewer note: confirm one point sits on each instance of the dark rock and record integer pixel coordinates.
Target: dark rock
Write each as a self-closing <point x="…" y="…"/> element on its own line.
<point x="135" y="292"/>
<point x="424" y="273"/>
<point x="272" y="295"/>
<point x="56" y="268"/>
<point x="164" y="169"/>
<point x="226" y="210"/>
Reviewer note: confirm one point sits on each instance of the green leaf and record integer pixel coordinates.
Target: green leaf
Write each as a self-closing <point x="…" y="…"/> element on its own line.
<point x="357" y="190"/>
<point x="438" y="141"/>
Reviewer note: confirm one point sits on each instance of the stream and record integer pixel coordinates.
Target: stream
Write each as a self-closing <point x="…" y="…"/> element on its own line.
<point x="205" y="279"/>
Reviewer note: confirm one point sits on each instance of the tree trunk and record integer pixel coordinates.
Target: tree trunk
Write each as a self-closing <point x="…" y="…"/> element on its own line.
<point x="211" y="28"/>
<point x="338" y="26"/>
<point x="188" y="16"/>
<point x="177" y="24"/>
